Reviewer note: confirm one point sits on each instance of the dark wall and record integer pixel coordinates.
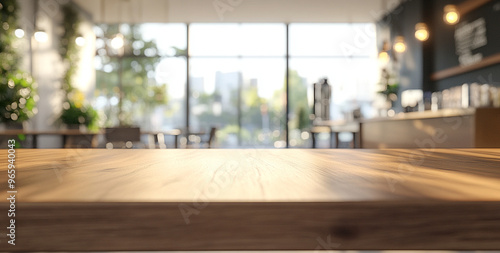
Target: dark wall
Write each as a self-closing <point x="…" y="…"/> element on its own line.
<point x="410" y="62"/>
<point x="444" y="45"/>
<point x="422" y="59"/>
<point x="401" y="22"/>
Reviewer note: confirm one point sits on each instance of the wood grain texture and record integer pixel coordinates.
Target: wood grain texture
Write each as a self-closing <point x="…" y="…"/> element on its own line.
<point x="99" y="200"/>
<point x="447" y="128"/>
<point x="467" y="6"/>
<point x="487" y="128"/>
<point x="448" y="132"/>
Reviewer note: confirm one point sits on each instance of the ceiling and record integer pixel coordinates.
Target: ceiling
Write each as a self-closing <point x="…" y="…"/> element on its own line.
<point x="187" y="11"/>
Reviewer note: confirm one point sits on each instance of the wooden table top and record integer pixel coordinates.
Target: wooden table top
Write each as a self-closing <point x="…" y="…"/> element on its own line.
<point x="267" y="199"/>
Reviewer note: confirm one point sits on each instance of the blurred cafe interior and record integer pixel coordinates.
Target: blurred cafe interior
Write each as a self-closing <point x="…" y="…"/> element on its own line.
<point x="165" y="74"/>
<point x="216" y="125"/>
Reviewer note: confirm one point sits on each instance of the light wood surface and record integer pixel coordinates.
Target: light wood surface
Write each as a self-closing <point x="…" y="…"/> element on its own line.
<point x="446" y="128"/>
<point x="487" y="128"/>
<point x="99" y="200"/>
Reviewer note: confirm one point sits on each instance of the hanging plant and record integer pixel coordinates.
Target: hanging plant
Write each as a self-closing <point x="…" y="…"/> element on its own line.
<point x="75" y="109"/>
<point x="68" y="49"/>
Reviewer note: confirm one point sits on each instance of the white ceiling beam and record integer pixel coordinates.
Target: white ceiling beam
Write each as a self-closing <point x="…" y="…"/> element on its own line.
<point x="160" y="11"/>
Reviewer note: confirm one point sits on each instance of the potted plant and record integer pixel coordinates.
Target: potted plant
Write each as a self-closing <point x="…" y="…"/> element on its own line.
<point x="390" y="87"/>
<point x="17" y="99"/>
<point x="76" y="113"/>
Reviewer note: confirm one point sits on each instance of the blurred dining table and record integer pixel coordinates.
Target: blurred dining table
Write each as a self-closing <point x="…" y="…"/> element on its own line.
<point x="65" y="133"/>
<point x="334" y="128"/>
<point x="90" y="137"/>
<point x="159" y="135"/>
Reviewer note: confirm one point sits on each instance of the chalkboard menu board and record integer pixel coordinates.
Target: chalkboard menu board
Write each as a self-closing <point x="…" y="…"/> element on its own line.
<point x="470" y="39"/>
<point x="473" y="40"/>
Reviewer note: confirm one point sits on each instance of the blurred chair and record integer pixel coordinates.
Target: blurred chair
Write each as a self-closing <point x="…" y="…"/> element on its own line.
<point x="321" y="129"/>
<point x="156" y="140"/>
<point x="80" y="141"/>
<point x="123" y="137"/>
<point x="200" y="141"/>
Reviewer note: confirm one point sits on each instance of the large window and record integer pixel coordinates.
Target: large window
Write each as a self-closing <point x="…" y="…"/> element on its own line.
<point x="150" y="71"/>
<point x="345" y="54"/>
<point x="237" y="77"/>
<point x="237" y="82"/>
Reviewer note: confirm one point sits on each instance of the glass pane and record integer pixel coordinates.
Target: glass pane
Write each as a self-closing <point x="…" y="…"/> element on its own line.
<point x="171" y="72"/>
<point x="263" y="102"/>
<point x="340" y="40"/>
<point x="354" y="85"/>
<point x="262" y="40"/>
<point x="214" y="87"/>
<point x="243" y="98"/>
<point x="237" y="39"/>
<point x="213" y="39"/>
<point x="170" y="38"/>
<point x="153" y="85"/>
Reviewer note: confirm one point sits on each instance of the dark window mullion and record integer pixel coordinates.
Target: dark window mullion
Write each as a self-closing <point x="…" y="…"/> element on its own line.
<point x="287" y="92"/>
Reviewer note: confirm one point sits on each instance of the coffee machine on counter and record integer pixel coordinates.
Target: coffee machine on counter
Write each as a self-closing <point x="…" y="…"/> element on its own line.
<point x="322" y="96"/>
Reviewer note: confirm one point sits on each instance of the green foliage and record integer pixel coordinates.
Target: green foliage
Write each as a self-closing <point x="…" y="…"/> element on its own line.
<point x="303" y="118"/>
<point x="233" y="129"/>
<point x="68" y="48"/>
<point x="129" y="69"/>
<point x="180" y="52"/>
<point x="17" y="97"/>
<point x="251" y="97"/>
<point x="298" y="101"/>
<point x="17" y="89"/>
<point x="73" y="114"/>
<point x="389" y="84"/>
<point x="75" y="111"/>
<point x="390" y="89"/>
<point x="9" y="57"/>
